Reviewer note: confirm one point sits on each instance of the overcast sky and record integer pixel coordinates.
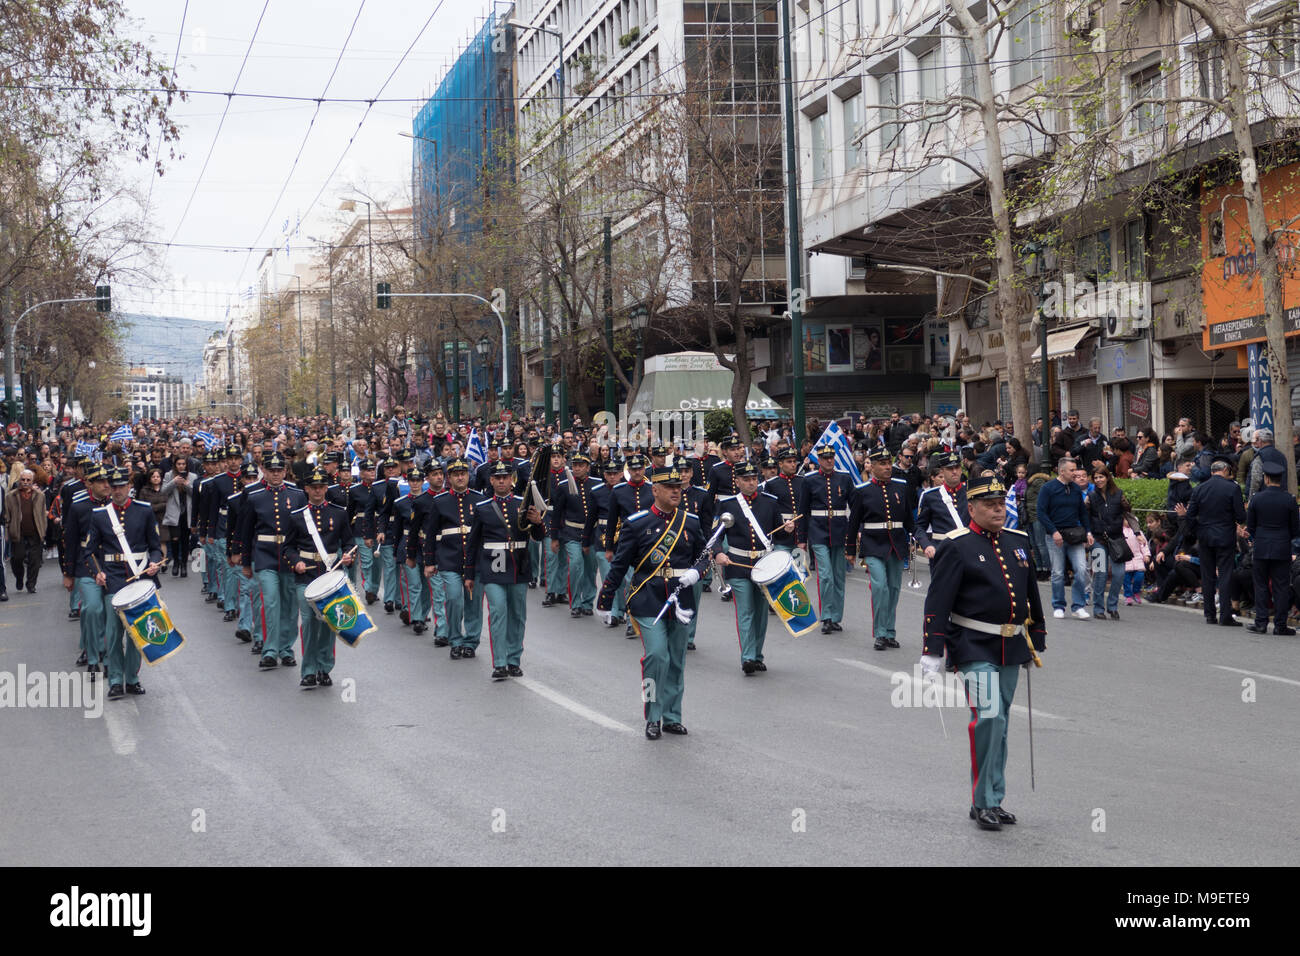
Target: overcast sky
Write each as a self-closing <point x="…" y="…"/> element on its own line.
<point x="296" y="48"/>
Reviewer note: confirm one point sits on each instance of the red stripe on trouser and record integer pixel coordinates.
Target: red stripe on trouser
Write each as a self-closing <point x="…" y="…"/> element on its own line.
<point x="974" y="765"/>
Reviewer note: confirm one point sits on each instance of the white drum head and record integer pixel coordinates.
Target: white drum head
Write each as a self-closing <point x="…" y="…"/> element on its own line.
<point x="133" y="594"/>
<point x="770" y="567"/>
<point x="327" y="583"/>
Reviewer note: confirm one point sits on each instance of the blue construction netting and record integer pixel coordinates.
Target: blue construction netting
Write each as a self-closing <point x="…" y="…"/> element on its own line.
<point x="463" y="133"/>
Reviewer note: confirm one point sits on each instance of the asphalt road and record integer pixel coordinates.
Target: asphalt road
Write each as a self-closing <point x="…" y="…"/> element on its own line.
<point x="1146" y="752"/>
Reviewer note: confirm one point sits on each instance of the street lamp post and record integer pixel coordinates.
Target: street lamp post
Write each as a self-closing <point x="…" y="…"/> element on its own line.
<point x="483" y="348"/>
<point x="563" y="184"/>
<point x="370" y="252"/>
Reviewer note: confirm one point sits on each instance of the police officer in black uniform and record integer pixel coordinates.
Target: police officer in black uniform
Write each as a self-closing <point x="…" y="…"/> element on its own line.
<point x="1213" y="517"/>
<point x="983" y="600"/>
<point x="1273" y="520"/>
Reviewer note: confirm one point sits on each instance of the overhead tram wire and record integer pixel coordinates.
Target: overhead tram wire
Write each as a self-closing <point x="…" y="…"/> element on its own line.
<point x="311" y="124"/>
<point x="217" y="136"/>
<point x="176" y="59"/>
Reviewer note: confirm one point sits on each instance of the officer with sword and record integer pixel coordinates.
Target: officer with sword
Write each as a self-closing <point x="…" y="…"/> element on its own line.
<point x="983" y="610"/>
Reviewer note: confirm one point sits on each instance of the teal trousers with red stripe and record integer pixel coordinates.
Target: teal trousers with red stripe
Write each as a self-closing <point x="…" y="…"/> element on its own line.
<point x="989" y="691"/>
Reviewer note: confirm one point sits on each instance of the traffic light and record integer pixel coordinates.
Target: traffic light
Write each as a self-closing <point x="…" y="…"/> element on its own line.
<point x="103" y="299"/>
<point x="383" y="294"/>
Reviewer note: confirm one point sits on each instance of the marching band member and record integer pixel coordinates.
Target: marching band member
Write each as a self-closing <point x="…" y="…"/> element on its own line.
<point x="555" y="559"/>
<point x="983" y="597"/>
<point x="756" y="515"/>
<point x="388" y="487"/>
<point x="363" y="502"/>
<point x="880" y="524"/>
<point x="570" y="521"/>
<point x="316" y="535"/>
<point x="787" y="486"/>
<point x="499" y="539"/>
<point x="444" y="543"/>
<point x="264" y="525"/>
<point x="657" y="550"/>
<point x="722" y="484"/>
<point x="697" y="500"/>
<point x="942" y="508"/>
<point x="628" y="498"/>
<point x="79" y="573"/>
<point x="205" y="515"/>
<point x="825" y="504"/>
<point x="597" y="521"/>
<point x="427" y="593"/>
<point x="121" y="533"/>
<point x="249" y="595"/>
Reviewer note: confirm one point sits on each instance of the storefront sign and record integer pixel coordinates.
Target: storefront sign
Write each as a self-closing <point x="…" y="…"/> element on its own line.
<point x="1126" y="362"/>
<point x="1261" y="386"/>
<point x="1139" y="407"/>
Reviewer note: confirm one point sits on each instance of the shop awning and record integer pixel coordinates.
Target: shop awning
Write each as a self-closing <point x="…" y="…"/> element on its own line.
<point x="1064" y="342"/>
<point x="695" y="382"/>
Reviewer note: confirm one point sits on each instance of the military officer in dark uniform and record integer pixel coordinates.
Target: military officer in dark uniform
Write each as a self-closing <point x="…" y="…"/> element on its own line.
<point x="445" y="545"/>
<point x="767" y="468"/>
<point x="555" y="559"/>
<point x="140" y="529"/>
<point x="309" y="563"/>
<point x="248" y="594"/>
<point x="1214" y="516"/>
<point x="408" y="599"/>
<point x="825" y="505"/>
<point x="756" y="515"/>
<point x="499" y="536"/>
<point x="73" y="487"/>
<point x="207" y="505"/>
<point x="339" y="492"/>
<point x="658" y="551"/>
<point x="264" y="527"/>
<point x="983" y="597"/>
<point x="427" y="594"/>
<point x="627" y="498"/>
<point x="1272" y="520"/>
<point x="942" y="508"/>
<point x="388" y="488"/>
<point x="722" y="484"/>
<point x="570" y="520"/>
<point x="881" y="524"/>
<point x="225" y="484"/>
<point x="786" y="486"/>
<point x="79" y="570"/>
<point x="697" y="500"/>
<point x="364" y="501"/>
<point x="597" y="520"/>
<point x="496" y="450"/>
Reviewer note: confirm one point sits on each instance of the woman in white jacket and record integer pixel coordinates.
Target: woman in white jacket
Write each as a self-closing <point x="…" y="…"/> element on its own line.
<point x="1135" y="567"/>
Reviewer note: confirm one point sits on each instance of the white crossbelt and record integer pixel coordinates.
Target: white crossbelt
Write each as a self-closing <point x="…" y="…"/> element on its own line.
<point x="830" y="514"/>
<point x="134" y="559"/>
<point x="753" y="523"/>
<point x="504" y="545"/>
<point x="952" y="508"/>
<point x="984" y="627"/>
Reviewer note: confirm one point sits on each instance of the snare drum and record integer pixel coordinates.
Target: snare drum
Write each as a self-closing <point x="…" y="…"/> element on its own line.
<point x="335" y="602"/>
<point x="145" y="618"/>
<point x="783" y="584"/>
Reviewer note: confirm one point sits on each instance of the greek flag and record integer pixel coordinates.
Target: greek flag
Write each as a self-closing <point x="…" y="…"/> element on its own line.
<point x="123" y="434"/>
<point x="1013" y="510"/>
<point x="88" y="448"/>
<point x="209" y="440"/>
<point x="835" y="437"/>
<point x="474" y="449"/>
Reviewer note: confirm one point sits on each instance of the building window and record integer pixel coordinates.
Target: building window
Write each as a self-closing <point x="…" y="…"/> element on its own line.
<point x="929" y="67"/>
<point x="1280" y="53"/>
<point x="820" y="151"/>
<point x="839" y="348"/>
<point x="1028" y="20"/>
<point x="1092" y="257"/>
<point x="968" y="86"/>
<point x="890" y="128"/>
<point x="1207" y="61"/>
<point x="1135" y="250"/>
<point x="852" y="111"/>
<point x="1146" y="84"/>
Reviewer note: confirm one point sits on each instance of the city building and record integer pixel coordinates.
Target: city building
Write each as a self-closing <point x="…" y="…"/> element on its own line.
<point x="150" y="392"/>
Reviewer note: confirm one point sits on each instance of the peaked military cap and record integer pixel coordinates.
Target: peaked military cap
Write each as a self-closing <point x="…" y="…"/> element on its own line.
<point x="317" y="477"/>
<point x="635" y="461"/>
<point x="986" y="486"/>
<point x="731" y="441"/>
<point x="501" y="467"/>
<point x="744" y="469"/>
<point x="273" y="460"/>
<point x="249" y="471"/>
<point x="825" y="451"/>
<point x="117" y="477"/>
<point x="880" y="453"/>
<point x="460" y="464"/>
<point x="669" y="474"/>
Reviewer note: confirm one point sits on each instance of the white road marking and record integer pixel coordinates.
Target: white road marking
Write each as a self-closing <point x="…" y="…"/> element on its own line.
<point x="569" y="704"/>
<point x="1238" y="670"/>
<point x="120" y="717"/>
<point x="918" y="686"/>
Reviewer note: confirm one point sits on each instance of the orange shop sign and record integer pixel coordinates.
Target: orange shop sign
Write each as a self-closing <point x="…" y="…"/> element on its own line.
<point x="1230" y="282"/>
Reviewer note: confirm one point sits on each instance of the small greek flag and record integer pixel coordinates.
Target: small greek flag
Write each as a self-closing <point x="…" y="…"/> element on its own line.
<point x="88" y="448"/>
<point x="209" y="440"/>
<point x="835" y="437"/>
<point x="123" y="434"/>
<point x="474" y="449"/>
<point x="1013" y="510"/>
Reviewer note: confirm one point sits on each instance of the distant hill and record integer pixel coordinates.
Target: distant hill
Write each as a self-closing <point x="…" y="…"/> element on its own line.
<point x="174" y="344"/>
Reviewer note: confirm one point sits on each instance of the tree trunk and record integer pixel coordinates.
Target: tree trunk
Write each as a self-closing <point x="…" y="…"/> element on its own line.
<point x="1265" y="253"/>
<point x="1006" y="261"/>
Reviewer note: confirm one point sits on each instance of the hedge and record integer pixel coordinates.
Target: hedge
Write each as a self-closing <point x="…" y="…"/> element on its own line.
<point x="1145" y="494"/>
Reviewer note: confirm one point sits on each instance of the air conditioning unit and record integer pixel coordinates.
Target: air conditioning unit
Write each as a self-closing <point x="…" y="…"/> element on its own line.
<point x="1121" y="325"/>
<point x="1078" y="22"/>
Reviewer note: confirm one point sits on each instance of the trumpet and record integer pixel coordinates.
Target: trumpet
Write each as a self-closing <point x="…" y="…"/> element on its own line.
<point x="915" y="583"/>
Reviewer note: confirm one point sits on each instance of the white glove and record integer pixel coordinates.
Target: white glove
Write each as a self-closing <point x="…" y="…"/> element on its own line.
<point x="931" y="665"/>
<point x="689" y="578"/>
